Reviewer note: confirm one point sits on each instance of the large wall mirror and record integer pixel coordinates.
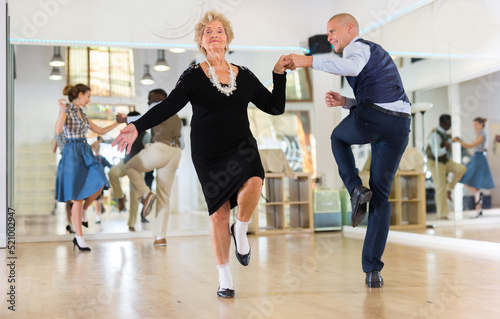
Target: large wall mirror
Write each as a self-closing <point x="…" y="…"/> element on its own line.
<point x="36" y="109"/>
<point x="437" y="67"/>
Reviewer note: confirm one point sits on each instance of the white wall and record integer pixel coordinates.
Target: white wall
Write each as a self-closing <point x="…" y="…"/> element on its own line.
<point x="35" y="99"/>
<point x="257" y="22"/>
<point x="444" y="28"/>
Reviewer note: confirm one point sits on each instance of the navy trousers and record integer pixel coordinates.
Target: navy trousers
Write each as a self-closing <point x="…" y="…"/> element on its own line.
<point x="388" y="135"/>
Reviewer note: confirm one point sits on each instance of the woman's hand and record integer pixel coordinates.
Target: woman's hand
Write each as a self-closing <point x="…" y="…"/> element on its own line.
<point x="281" y="66"/>
<point x="334" y="99"/>
<point x="61" y="104"/>
<point x="121" y="118"/>
<point x="298" y="61"/>
<point x="456" y="139"/>
<point x="126" y="138"/>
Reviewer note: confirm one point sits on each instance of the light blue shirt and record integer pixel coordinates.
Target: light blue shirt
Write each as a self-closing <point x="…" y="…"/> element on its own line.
<point x="354" y="59"/>
<point x="435" y="141"/>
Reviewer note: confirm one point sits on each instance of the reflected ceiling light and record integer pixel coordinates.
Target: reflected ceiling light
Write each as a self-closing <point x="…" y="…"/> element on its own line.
<point x="57" y="60"/>
<point x="161" y="64"/>
<point x="177" y="50"/>
<point x="55" y="74"/>
<point x="147" y="79"/>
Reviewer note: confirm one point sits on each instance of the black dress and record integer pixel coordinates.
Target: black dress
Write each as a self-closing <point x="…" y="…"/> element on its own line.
<point x="223" y="148"/>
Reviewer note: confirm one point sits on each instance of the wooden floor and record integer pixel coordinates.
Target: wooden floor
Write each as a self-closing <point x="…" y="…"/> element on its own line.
<point x="290" y="276"/>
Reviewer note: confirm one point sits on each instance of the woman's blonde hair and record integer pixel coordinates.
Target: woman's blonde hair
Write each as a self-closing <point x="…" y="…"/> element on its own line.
<point x="208" y="18"/>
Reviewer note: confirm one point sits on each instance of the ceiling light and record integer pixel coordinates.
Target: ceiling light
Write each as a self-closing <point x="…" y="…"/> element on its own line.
<point x="147" y="79"/>
<point x="161" y="64"/>
<point x="57" y="60"/>
<point x="177" y="50"/>
<point x="55" y="74"/>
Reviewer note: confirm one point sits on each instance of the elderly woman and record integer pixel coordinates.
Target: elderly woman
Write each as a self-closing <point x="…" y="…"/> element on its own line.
<point x="224" y="152"/>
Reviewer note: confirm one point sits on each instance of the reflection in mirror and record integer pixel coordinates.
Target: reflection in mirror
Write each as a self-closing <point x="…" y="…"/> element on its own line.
<point x="289" y="132"/>
<point x="40" y="218"/>
<point x="298" y="86"/>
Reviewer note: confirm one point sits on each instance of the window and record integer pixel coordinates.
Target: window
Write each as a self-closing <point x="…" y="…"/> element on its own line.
<point x="108" y="71"/>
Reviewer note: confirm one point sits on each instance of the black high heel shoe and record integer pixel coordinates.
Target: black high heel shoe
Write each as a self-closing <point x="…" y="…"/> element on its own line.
<point x="480" y="200"/>
<point x="480" y="204"/>
<point x="243" y="259"/>
<point x="75" y="243"/>
<point x="69" y="230"/>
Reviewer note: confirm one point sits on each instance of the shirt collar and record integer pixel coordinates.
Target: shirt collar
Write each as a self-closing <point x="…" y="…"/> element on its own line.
<point x="440" y="129"/>
<point x="153" y="104"/>
<point x="354" y="39"/>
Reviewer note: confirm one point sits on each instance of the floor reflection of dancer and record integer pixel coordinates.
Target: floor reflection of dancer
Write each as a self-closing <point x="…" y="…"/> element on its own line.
<point x="80" y="176"/>
<point x="223" y="149"/>
<point x="478" y="175"/>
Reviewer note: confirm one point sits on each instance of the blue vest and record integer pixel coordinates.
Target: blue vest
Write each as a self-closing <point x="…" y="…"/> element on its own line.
<point x="379" y="81"/>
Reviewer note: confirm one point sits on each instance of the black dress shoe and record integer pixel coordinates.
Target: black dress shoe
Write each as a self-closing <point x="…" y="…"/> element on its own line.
<point x="85" y="224"/>
<point x="225" y="293"/>
<point x="243" y="259"/>
<point x="359" y="197"/>
<point x="373" y="279"/>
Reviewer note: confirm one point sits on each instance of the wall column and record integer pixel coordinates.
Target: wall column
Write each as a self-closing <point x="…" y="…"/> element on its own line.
<point x="325" y="120"/>
<point x="456" y="127"/>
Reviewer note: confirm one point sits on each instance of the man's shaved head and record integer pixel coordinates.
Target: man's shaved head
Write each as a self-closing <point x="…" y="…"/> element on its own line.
<point x="345" y="19"/>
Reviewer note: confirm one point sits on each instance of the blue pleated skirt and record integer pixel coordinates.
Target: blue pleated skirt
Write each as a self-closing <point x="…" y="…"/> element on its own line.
<point x="79" y="174"/>
<point x="478" y="174"/>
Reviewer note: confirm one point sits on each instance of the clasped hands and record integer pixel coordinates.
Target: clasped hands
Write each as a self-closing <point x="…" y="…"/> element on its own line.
<point x="294" y="61"/>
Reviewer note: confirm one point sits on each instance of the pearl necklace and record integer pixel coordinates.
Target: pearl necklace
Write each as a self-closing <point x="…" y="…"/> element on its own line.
<point x="227" y="90"/>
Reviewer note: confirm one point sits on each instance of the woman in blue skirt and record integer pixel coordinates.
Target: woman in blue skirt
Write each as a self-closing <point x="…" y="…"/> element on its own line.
<point x="80" y="177"/>
<point x="478" y="174"/>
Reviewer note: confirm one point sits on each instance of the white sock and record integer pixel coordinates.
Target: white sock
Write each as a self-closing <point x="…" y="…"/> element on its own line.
<point x="81" y="241"/>
<point x="225" y="278"/>
<point x="240" y="233"/>
<point x="84" y="215"/>
<point x="97" y="218"/>
<point x="159" y="237"/>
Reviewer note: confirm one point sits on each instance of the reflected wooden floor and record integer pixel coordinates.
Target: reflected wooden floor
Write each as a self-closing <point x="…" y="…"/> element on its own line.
<point x="292" y="276"/>
<point x="484" y="228"/>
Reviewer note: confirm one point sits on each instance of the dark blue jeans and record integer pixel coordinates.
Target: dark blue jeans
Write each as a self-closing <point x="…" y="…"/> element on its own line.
<point x="388" y="136"/>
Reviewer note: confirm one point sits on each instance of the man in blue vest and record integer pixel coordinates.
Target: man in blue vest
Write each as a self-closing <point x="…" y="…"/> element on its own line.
<point x="379" y="114"/>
